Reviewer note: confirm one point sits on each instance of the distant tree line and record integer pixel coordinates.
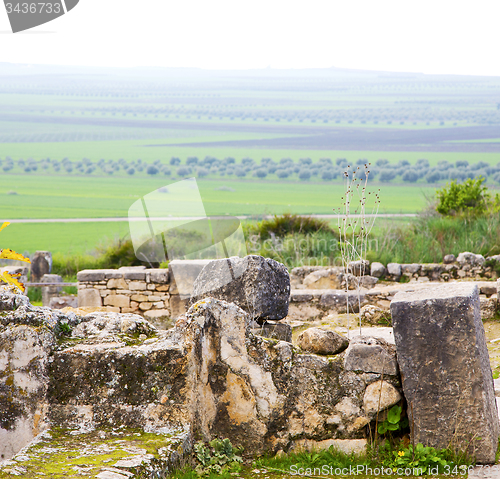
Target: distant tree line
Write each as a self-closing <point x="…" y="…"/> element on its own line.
<point x="285" y="169"/>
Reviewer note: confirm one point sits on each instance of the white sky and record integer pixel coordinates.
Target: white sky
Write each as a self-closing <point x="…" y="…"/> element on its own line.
<point x="438" y="36"/>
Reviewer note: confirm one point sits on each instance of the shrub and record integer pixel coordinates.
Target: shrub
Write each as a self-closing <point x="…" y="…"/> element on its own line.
<point x="327" y="175"/>
<point x="282" y="173"/>
<point x="183" y="171"/>
<point x="202" y="172"/>
<point x="261" y="173"/>
<point x="152" y="170"/>
<point x="410" y="176"/>
<point x="433" y="177"/>
<point x="304" y="175"/>
<point x="469" y="198"/>
<point x="288" y="224"/>
<point x="422" y="163"/>
<point x="387" y="175"/>
<point x="174" y="161"/>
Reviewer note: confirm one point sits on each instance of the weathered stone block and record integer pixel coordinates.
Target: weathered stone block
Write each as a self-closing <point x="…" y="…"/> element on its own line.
<point x="91" y="275"/>
<point x="41" y="264"/>
<point x="24" y="356"/>
<point x="182" y="275"/>
<point x="158" y="275"/>
<point x="260" y="286"/>
<point x="377" y="270"/>
<point x="323" y="279"/>
<point x="139" y="297"/>
<point x="470" y="259"/>
<point x="112" y="274"/>
<point x="145" y="306"/>
<point x="117" y="300"/>
<point x="359" y="267"/>
<point x="89" y="297"/>
<point x="300" y="296"/>
<point x="178" y="306"/>
<point x="137" y="286"/>
<point x="447" y="379"/>
<point x="379" y="396"/>
<point x="49" y="292"/>
<point x="410" y="269"/>
<point x="371" y="355"/>
<point x="449" y="258"/>
<point x="117" y="283"/>
<point x="322" y="341"/>
<point x="342" y="300"/>
<point x="432" y="270"/>
<point x="394" y="269"/>
<point x="133" y="272"/>
<point x="280" y="331"/>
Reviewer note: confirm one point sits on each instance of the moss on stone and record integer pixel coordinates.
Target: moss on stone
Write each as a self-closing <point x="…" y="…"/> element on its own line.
<point x="61" y="454"/>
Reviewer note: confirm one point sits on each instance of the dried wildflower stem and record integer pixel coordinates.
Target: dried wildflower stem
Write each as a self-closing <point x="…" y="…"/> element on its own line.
<point x="354" y="228"/>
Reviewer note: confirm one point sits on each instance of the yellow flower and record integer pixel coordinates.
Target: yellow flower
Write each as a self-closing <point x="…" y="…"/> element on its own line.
<point x="401" y="453"/>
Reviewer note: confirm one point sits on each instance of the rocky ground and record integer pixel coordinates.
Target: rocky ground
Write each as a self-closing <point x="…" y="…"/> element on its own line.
<point x="122" y="453"/>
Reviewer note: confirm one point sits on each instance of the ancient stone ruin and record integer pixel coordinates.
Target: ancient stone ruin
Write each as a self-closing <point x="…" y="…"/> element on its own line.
<point x="132" y="396"/>
<point x="446" y="371"/>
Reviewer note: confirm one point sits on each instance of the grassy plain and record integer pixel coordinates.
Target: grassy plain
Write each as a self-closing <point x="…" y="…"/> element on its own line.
<point x="65" y="112"/>
<point x="131" y="150"/>
<point x="106" y="197"/>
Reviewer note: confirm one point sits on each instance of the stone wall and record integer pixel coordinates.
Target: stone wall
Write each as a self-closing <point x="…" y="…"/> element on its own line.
<point x="126" y="290"/>
<point x="468" y="266"/>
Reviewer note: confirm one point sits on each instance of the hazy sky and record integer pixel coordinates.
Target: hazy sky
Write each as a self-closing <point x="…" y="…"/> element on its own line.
<point x="438" y="36"/>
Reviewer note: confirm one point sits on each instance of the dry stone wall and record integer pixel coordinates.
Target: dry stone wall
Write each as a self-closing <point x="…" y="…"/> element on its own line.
<point x="126" y="290"/>
<point x="468" y="266"/>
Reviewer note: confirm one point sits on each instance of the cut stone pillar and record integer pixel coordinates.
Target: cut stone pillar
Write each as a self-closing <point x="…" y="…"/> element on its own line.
<point x="48" y="292"/>
<point x="444" y="363"/>
<point x="40" y="264"/>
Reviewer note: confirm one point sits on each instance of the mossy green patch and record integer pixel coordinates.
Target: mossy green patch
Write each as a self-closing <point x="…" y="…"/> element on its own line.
<point x="61" y="454"/>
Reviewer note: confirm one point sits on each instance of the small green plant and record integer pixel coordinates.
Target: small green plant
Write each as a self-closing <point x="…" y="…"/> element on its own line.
<point x="65" y="329"/>
<point x="218" y="457"/>
<point x="394" y="421"/>
<point x="425" y="459"/>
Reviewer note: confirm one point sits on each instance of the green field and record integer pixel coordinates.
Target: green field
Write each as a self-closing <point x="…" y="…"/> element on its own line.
<point x="153" y="115"/>
<point x="104" y="197"/>
<point x="131" y="150"/>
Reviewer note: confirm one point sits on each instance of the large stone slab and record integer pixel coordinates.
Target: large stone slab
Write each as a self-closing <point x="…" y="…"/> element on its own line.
<point x="183" y="274"/>
<point x="260" y="286"/>
<point x="447" y="379"/>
